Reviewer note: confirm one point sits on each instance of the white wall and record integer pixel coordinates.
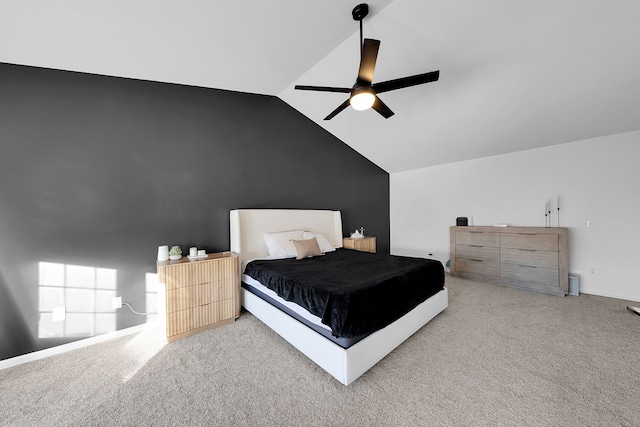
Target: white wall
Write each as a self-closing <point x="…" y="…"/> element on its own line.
<point x="596" y="179"/>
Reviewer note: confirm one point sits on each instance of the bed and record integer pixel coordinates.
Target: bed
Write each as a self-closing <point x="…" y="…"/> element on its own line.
<point x="344" y="360"/>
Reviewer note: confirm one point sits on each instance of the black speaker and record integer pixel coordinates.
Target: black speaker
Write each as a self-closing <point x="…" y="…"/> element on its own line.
<point x="462" y="221"/>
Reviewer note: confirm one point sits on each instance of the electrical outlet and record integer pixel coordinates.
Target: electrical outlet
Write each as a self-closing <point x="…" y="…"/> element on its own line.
<point x="116" y="303"/>
<point x="592" y="271"/>
<point x="59" y="313"/>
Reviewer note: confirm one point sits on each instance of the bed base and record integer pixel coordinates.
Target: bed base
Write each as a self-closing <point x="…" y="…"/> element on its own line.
<point x="345" y="365"/>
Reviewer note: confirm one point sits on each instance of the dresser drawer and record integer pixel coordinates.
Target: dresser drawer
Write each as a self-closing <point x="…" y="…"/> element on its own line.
<point x="489" y="253"/>
<point x="525" y="273"/>
<point x="478" y="266"/>
<point x="530" y="257"/>
<point x="539" y="242"/>
<point x="481" y="238"/>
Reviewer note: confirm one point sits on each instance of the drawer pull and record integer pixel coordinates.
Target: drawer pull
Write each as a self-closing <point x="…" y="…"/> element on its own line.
<point x="476" y="260"/>
<point x="528" y="250"/>
<point x="527" y="234"/>
<point x="530" y="266"/>
<point x="476" y="246"/>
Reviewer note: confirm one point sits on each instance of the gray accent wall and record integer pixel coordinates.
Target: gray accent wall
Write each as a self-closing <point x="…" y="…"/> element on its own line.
<point x="96" y="172"/>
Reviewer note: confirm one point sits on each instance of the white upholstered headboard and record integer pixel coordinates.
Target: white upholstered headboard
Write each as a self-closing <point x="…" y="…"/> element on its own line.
<point x="248" y="225"/>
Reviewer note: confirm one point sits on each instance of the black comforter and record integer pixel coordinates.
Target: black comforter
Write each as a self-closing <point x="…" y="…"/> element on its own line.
<point x="353" y="292"/>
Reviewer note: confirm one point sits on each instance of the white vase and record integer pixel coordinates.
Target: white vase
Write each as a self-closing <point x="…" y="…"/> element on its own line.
<point x="174" y="257"/>
<point x="163" y="253"/>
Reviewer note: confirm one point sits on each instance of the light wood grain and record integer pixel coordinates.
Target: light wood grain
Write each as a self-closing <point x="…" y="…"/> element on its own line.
<point x="364" y="244"/>
<point x="200" y="294"/>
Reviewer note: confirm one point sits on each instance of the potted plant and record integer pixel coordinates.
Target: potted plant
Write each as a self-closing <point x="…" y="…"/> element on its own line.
<point x="175" y="253"/>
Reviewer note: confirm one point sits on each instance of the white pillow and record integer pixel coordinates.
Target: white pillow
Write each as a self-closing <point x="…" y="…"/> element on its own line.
<point x="323" y="242"/>
<point x="280" y="245"/>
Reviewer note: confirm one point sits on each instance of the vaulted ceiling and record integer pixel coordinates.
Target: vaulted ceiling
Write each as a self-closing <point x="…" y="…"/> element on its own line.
<point x="513" y="75"/>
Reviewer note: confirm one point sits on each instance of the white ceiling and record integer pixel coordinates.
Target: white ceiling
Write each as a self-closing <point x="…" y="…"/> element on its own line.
<point x="514" y="75"/>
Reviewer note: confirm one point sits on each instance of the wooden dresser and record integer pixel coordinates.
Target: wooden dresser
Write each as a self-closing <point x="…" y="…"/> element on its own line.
<point x="532" y="258"/>
<point x="200" y="295"/>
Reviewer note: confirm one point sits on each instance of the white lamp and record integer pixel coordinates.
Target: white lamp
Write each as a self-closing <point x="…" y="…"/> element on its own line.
<point x="163" y="253"/>
<point x="362" y="98"/>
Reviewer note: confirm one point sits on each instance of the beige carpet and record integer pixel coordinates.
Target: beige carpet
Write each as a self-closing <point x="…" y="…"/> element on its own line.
<point x="496" y="356"/>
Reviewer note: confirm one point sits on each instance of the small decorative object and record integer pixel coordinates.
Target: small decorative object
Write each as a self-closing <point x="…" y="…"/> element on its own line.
<point x="175" y="253"/>
<point x="358" y="234"/>
<point x="163" y="253"/>
<point x="196" y="254"/>
<point x="548" y="208"/>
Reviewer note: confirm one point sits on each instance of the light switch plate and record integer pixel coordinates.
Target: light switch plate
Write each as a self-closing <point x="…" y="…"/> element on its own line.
<point x="116" y="303"/>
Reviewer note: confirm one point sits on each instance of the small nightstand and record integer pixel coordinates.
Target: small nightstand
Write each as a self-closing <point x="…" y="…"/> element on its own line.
<point x="365" y="244"/>
<point x="200" y="295"/>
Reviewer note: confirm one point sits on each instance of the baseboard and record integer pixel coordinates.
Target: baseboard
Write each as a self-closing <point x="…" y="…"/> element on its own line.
<point x="609" y="295"/>
<point x="48" y="352"/>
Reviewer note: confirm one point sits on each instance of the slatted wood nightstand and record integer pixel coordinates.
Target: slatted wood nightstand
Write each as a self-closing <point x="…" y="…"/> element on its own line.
<point x="200" y="295"/>
<point x="364" y="244"/>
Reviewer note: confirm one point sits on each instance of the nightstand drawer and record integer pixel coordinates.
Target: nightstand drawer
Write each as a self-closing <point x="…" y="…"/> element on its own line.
<point x="198" y="272"/>
<point x="202" y="316"/>
<point x="197" y="295"/>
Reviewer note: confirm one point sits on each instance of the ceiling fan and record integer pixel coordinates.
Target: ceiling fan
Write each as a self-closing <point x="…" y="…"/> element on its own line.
<point x="364" y="93"/>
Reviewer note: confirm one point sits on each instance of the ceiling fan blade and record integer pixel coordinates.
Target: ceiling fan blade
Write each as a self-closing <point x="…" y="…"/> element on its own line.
<point x="382" y="108"/>
<point x="400" y="83"/>
<point x="335" y="112"/>
<point x="368" y="60"/>
<point x="324" y="88"/>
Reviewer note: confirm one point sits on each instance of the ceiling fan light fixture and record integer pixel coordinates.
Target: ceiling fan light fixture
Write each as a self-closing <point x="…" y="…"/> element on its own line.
<point x="364" y="93"/>
<point x="362" y="99"/>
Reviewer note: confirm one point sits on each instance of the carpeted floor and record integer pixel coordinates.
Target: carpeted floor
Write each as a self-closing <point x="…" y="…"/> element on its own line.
<point x="496" y="356"/>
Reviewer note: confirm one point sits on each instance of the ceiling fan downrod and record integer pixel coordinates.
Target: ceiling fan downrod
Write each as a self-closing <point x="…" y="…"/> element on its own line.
<point x="359" y="13"/>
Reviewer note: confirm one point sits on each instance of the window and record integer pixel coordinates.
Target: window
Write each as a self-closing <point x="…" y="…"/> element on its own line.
<point x="84" y="292"/>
